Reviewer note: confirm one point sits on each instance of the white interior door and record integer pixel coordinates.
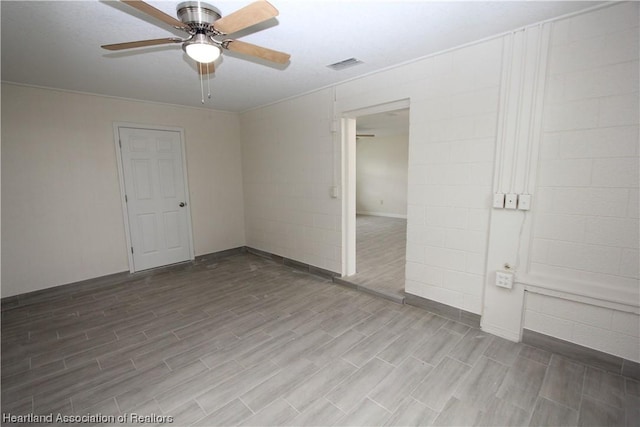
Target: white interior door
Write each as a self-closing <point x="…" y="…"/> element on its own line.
<point x="154" y="183"/>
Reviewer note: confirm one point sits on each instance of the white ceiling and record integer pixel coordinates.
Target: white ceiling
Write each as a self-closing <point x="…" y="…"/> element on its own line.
<point x="57" y="44"/>
<point x="384" y="124"/>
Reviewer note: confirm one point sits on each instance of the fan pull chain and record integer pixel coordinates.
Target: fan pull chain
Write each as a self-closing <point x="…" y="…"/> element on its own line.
<point x="208" y="82"/>
<point x="201" y="82"/>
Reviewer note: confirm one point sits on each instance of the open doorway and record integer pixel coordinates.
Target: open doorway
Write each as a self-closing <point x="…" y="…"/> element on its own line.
<point x="381" y="164"/>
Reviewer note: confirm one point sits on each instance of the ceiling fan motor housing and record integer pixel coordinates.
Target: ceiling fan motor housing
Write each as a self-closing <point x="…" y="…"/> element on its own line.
<point x="198" y="15"/>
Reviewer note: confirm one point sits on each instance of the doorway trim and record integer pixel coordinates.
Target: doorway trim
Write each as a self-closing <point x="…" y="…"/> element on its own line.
<point x="348" y="148"/>
<point x="123" y="201"/>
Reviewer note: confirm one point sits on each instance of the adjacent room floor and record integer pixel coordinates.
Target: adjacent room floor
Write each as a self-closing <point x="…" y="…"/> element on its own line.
<point x="380" y="254"/>
<point x="245" y="341"/>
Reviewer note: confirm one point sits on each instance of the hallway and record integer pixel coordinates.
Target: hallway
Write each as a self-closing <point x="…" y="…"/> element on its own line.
<point x="380" y="254"/>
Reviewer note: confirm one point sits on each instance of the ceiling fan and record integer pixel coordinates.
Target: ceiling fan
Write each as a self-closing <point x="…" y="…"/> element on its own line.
<point x="207" y="30"/>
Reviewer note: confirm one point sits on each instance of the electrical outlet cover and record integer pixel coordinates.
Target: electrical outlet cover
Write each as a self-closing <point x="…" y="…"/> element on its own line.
<point x="504" y="279"/>
<point x="511" y="201"/>
<point x="498" y="200"/>
<point x="524" y="202"/>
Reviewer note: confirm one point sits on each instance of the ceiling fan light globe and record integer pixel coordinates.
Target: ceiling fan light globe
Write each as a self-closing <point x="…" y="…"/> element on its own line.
<point x="202" y="52"/>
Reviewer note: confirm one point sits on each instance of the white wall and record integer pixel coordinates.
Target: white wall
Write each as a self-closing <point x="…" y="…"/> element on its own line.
<point x="61" y="213"/>
<point x="454" y="102"/>
<point x="587" y="221"/>
<point x="288" y="167"/>
<point x="586" y="226"/>
<point x="381" y="175"/>
<point x="290" y="159"/>
<point x="611" y="330"/>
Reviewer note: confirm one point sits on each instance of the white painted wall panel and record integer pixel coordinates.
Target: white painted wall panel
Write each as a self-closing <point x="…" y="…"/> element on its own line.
<point x="61" y="212"/>
<point x="288" y="168"/>
<point x="605" y="329"/>
<point x="591" y="141"/>
<point x="381" y="175"/>
<point x="586" y="228"/>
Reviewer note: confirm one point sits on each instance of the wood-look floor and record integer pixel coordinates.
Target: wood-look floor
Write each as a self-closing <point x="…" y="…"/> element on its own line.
<point x="380" y="254"/>
<point x="245" y="341"/>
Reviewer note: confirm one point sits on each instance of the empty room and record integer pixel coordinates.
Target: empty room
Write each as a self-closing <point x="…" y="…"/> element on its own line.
<point x="184" y="183"/>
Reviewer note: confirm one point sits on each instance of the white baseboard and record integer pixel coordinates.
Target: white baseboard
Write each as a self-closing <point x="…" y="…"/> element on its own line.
<point x="385" y="214"/>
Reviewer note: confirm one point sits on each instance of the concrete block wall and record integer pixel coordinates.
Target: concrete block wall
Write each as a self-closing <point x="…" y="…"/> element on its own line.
<point x="288" y="170"/>
<point x="453" y="113"/>
<point x="450" y="175"/>
<point x="605" y="329"/>
<point x="586" y="226"/>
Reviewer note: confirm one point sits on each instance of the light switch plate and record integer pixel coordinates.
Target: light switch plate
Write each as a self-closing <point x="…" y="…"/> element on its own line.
<point x="498" y="200"/>
<point x="524" y="202"/>
<point x="334" y="192"/>
<point x="511" y="201"/>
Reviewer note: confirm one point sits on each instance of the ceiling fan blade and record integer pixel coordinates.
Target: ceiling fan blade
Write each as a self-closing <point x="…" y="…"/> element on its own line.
<point x="141" y="43"/>
<point x="158" y="14"/>
<point x="257" y="51"/>
<point x="252" y="14"/>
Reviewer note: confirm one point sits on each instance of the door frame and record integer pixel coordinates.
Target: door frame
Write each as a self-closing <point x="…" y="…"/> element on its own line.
<point x="123" y="202"/>
<point x="348" y="149"/>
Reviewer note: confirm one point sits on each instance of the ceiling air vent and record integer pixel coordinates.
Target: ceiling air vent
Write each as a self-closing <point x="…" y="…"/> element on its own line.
<point x="344" y="64"/>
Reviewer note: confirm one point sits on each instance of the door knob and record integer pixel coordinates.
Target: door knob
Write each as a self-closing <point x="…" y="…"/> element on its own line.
<point x="182" y="204"/>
